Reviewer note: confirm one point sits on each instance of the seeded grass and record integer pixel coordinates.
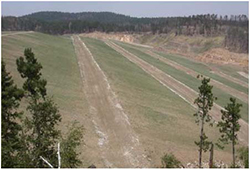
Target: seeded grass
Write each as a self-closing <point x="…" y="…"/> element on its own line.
<point x="154" y="111"/>
<point x="203" y="69"/>
<point x="192" y="82"/>
<point x="198" y="67"/>
<point x="60" y="69"/>
<point x="232" y="71"/>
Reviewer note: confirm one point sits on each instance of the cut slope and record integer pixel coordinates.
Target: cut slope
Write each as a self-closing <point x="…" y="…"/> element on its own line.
<point x="190" y="81"/>
<point x="177" y="87"/>
<point x="242" y="96"/>
<point x="163" y="121"/>
<point x="119" y="144"/>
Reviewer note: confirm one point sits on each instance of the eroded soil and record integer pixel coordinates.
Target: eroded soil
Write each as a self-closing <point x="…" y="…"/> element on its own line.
<point x="119" y="145"/>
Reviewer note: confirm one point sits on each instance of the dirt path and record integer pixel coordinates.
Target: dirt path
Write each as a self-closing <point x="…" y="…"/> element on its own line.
<point x="17" y="33"/>
<point x="243" y="74"/>
<point x="240" y="95"/>
<point x="228" y="77"/>
<point x="119" y="144"/>
<point x="177" y="87"/>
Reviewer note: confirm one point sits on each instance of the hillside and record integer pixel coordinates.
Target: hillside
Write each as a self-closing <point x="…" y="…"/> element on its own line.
<point x="234" y="29"/>
<point x="129" y="109"/>
<point x="203" y="49"/>
<point x="103" y="17"/>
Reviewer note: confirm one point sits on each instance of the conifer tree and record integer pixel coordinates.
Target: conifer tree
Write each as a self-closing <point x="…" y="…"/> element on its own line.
<point x="69" y="153"/>
<point x="11" y="143"/>
<point x="229" y="125"/>
<point x="42" y="135"/>
<point x="204" y="103"/>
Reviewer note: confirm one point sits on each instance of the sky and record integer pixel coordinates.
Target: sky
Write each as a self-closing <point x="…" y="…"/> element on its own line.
<point x="135" y="9"/>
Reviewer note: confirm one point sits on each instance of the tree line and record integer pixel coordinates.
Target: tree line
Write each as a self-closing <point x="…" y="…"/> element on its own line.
<point x="234" y="27"/>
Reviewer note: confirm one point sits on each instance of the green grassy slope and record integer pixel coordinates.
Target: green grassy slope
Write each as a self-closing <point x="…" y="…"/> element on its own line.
<point x="203" y="69"/>
<point x="223" y="98"/>
<point x="200" y="68"/>
<point x="232" y="71"/>
<point x="60" y="69"/>
<point x="158" y="115"/>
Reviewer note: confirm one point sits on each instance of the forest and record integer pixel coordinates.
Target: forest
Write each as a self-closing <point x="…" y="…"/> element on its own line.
<point x="233" y="27"/>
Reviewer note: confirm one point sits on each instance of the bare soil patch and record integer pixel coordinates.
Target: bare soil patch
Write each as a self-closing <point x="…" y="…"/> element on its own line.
<point x="223" y="56"/>
<point x="118" y="143"/>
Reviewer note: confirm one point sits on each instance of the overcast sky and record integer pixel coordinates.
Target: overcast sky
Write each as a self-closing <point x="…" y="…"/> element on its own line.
<point x="137" y="9"/>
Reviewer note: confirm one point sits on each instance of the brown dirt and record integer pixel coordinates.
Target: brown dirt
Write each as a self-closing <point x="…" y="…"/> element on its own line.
<point x="116" y="36"/>
<point x="118" y="143"/>
<point x="242" y="96"/>
<point x="223" y="56"/>
<point x="177" y="87"/>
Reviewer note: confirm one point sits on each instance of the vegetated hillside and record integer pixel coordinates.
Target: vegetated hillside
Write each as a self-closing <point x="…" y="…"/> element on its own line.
<point x="60" y="69"/>
<point x="189" y="80"/>
<point x="154" y="117"/>
<point x="103" y="17"/>
<point x="234" y="28"/>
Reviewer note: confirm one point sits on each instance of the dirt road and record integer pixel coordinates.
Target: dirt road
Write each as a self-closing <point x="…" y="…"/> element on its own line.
<point x="177" y="87"/>
<point x="119" y="144"/>
<point x="240" y="95"/>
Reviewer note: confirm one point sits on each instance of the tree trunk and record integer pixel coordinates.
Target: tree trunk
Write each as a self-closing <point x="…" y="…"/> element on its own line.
<point x="211" y="156"/>
<point x="201" y="142"/>
<point x="233" y="150"/>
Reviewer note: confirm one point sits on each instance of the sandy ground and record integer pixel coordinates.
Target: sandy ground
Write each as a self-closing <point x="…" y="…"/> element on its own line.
<point x="177" y="87"/>
<point x="118" y="143"/>
<point x="240" y="95"/>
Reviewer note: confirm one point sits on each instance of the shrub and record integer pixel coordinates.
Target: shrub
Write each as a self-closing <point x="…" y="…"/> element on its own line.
<point x="170" y="161"/>
<point x="243" y="155"/>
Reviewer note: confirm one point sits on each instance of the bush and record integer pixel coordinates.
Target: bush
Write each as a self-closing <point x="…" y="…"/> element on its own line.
<point x="243" y="155"/>
<point x="69" y="147"/>
<point x="170" y="161"/>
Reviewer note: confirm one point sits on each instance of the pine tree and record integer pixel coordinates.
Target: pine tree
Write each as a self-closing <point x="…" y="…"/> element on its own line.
<point x="11" y="142"/>
<point x="31" y="70"/>
<point x="204" y="103"/>
<point x="69" y="154"/>
<point x="229" y="125"/>
<point x="42" y="135"/>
